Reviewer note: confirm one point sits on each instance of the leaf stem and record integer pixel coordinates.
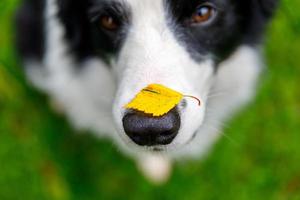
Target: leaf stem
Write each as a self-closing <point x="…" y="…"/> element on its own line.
<point x="199" y="102"/>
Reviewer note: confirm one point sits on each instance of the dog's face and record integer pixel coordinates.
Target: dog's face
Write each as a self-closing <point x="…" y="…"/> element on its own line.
<point x="156" y="48"/>
<point x="179" y="44"/>
<point x="176" y="43"/>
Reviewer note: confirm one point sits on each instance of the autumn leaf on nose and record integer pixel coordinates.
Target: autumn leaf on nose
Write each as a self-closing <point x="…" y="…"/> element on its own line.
<point x="156" y="99"/>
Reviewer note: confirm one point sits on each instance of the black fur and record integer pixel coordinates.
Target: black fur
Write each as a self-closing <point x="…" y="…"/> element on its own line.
<point x="83" y="32"/>
<point x="30" y="29"/>
<point x="257" y="17"/>
<point x="237" y="22"/>
<point x="74" y="16"/>
<point x="109" y="42"/>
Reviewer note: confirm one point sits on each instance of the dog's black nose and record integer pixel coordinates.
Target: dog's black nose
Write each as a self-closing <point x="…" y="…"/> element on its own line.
<point x="146" y="130"/>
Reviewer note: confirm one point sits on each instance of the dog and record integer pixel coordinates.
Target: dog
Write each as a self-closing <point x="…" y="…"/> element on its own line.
<point x="93" y="56"/>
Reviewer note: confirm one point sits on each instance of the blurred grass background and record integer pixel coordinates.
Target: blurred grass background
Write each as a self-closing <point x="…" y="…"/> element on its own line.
<point x="42" y="158"/>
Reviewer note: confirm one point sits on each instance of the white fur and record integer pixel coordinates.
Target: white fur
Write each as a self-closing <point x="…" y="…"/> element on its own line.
<point x="93" y="95"/>
<point x="86" y="93"/>
<point x="156" y="168"/>
<point x="233" y="87"/>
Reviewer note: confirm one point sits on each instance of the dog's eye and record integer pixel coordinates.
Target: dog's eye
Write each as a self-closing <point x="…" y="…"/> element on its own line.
<point x="109" y="23"/>
<point x="204" y="13"/>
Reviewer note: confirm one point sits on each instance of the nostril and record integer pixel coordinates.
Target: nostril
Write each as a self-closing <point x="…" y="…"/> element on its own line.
<point x="146" y="130"/>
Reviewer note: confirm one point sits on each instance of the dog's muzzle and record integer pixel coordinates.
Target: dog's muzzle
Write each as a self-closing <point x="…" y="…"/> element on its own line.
<point x="146" y="130"/>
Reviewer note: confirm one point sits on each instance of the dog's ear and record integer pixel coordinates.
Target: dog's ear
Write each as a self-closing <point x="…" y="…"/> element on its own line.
<point x="257" y="14"/>
<point x="73" y="15"/>
<point x="268" y="7"/>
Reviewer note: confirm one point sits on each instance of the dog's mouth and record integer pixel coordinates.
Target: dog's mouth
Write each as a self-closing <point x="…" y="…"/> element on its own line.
<point x="157" y="149"/>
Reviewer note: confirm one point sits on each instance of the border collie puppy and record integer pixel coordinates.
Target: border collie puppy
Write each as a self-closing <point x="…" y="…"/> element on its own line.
<point x="93" y="56"/>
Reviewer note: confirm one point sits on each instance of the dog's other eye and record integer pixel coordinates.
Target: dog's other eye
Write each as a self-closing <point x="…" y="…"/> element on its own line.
<point x="109" y="23"/>
<point x="204" y="13"/>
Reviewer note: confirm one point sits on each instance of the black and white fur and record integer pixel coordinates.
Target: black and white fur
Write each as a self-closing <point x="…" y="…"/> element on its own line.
<point x="91" y="74"/>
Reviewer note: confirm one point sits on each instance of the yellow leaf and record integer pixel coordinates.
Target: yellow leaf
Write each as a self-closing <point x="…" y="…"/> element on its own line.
<point x="155" y="99"/>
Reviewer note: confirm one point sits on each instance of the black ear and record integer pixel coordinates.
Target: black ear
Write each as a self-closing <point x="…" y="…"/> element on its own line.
<point x="73" y="15"/>
<point x="29" y="28"/>
<point x="268" y="7"/>
<point x="255" y="16"/>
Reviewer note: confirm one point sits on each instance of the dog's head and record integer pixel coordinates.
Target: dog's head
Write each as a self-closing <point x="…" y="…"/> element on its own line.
<point x="176" y="43"/>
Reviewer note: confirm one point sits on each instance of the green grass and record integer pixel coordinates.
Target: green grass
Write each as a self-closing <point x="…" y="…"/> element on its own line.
<point x="42" y="158"/>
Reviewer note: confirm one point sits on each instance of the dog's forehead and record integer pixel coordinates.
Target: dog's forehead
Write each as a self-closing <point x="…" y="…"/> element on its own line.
<point x="142" y="6"/>
<point x="136" y="2"/>
<point x="154" y="3"/>
<point x="146" y="13"/>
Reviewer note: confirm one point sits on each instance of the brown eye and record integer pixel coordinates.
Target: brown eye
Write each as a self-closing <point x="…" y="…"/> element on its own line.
<point x="203" y="14"/>
<point x="109" y="23"/>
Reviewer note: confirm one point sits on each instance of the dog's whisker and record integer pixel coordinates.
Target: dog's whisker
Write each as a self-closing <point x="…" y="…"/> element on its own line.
<point x="216" y="95"/>
<point x="227" y="90"/>
<point x="217" y="122"/>
<point x="224" y="134"/>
